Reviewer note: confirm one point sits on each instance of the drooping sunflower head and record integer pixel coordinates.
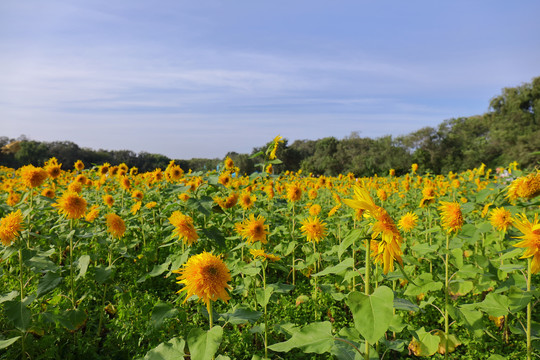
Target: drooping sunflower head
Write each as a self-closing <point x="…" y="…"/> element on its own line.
<point x="184" y="228"/>
<point x="10" y="227"/>
<point x="451" y="216"/>
<point x="206" y="276"/>
<point x="33" y="176"/>
<point x="500" y="219"/>
<point x="115" y="225"/>
<point x="314" y="229"/>
<point x="72" y="205"/>
<point x="92" y="213"/>
<point x="408" y="221"/>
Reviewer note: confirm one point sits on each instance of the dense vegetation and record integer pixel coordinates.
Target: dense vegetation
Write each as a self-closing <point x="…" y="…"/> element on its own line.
<point x="509" y="131"/>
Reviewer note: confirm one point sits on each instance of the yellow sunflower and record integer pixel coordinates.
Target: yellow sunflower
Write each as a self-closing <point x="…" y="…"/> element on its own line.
<point x="206" y="276"/>
<point x="500" y="219"/>
<point x="33" y="176"/>
<point x="256" y="253"/>
<point x="247" y="200"/>
<point x="313" y="229"/>
<point x="526" y="187"/>
<point x="184" y="227"/>
<point x="115" y="225"/>
<point x="451" y="216"/>
<point x="294" y="193"/>
<point x="72" y="205"/>
<point x="253" y="229"/>
<point x="108" y="200"/>
<point x="10" y="227"/>
<point x="79" y="165"/>
<point x="314" y="209"/>
<point x="531" y="239"/>
<point x="408" y="221"/>
<point x="92" y="213"/>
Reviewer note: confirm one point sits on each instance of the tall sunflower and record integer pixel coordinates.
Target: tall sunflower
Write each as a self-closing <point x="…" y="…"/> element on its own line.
<point x="313" y="228"/>
<point x="206" y="276"/>
<point x="500" y="219"/>
<point x="72" y="205"/>
<point x="408" y="221"/>
<point x="531" y="239"/>
<point x="184" y="227"/>
<point x="115" y="225"/>
<point x="253" y="229"/>
<point x="294" y="192"/>
<point x="451" y="216"/>
<point x="33" y="176"/>
<point x="10" y="227"/>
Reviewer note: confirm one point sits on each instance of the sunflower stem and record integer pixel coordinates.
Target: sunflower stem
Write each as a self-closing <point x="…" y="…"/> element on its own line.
<point x="21" y="280"/>
<point x="292" y="237"/>
<point x="367" y="290"/>
<point x="71" y="264"/>
<point x="265" y="313"/>
<point x="446" y="326"/>
<point x="529" y="309"/>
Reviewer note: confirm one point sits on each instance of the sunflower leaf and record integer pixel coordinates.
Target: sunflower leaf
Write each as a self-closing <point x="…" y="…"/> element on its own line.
<point x="204" y="344"/>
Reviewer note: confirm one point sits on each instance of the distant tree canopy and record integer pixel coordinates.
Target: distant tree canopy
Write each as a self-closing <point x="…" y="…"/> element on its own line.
<point x="509" y="131"/>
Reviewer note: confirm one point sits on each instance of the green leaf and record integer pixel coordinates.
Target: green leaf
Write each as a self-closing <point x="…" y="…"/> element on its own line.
<point x="161" y="312"/>
<point x="18" y="313"/>
<point x="424" y="284"/>
<point x="5" y="343"/>
<point x="373" y="313"/>
<point x="518" y="299"/>
<point x="313" y="338"/>
<point x="170" y="350"/>
<point x="337" y="269"/>
<point x="353" y="235"/>
<point x="83" y="262"/>
<point x="423" y="249"/>
<point x="460" y="287"/>
<point x="263" y="295"/>
<point x="495" y="305"/>
<point x="280" y="288"/>
<point x="204" y="344"/>
<point x="404" y="304"/>
<point x="425" y="344"/>
<point x="103" y="274"/>
<point x="72" y="319"/>
<point x="8" y="297"/>
<point x="48" y="282"/>
<point x="242" y="316"/>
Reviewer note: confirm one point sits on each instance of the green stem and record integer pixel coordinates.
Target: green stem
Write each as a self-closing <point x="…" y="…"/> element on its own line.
<point x="367" y="290"/>
<point x="21" y="280"/>
<point x="353" y="264"/>
<point x="446" y="326"/>
<point x="210" y="317"/>
<point x="265" y="314"/>
<point x="292" y="237"/>
<point x="529" y="310"/>
<point x="71" y="264"/>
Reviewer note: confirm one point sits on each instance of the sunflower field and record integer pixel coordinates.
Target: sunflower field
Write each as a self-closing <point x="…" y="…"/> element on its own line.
<point x="103" y="262"/>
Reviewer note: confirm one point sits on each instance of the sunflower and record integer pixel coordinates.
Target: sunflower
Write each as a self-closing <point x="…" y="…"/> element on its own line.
<point x="531" y="239"/>
<point x="256" y="253"/>
<point x="174" y="172"/>
<point x="183" y="197"/>
<point x="278" y="139"/>
<point x="79" y="165"/>
<point x="314" y="209"/>
<point x="183" y="227"/>
<point x="253" y="229"/>
<point x="428" y="196"/>
<point x="408" y="221"/>
<point x="247" y="200"/>
<point x="125" y="183"/>
<point x="294" y="193"/>
<point x="33" y="176"/>
<point x="313" y="229"/>
<point x="382" y="194"/>
<point x="229" y="163"/>
<point x="414" y="168"/>
<point x="10" y="227"/>
<point x="527" y="187"/>
<point x="13" y="198"/>
<point x="115" y="225"/>
<point x="136" y="207"/>
<point x="75" y="187"/>
<point x="151" y="205"/>
<point x="451" y="216"/>
<point x="206" y="276"/>
<point x="230" y="201"/>
<point x="137" y="195"/>
<point x="312" y="194"/>
<point x="500" y="219"/>
<point x="72" y="205"/>
<point x="53" y="168"/>
<point x="104" y="169"/>
<point x="108" y="200"/>
<point x="92" y="213"/>
<point x="48" y="192"/>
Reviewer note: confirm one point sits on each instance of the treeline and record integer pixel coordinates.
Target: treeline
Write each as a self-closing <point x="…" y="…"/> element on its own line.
<point x="23" y="151"/>
<point x="509" y="131"/>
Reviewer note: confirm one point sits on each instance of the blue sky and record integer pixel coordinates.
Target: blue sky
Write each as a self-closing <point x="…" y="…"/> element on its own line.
<point x="201" y="78"/>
